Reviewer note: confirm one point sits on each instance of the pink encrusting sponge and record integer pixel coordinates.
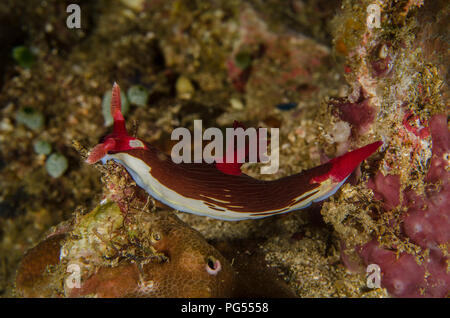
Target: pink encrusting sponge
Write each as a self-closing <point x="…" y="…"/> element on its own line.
<point x="426" y="223"/>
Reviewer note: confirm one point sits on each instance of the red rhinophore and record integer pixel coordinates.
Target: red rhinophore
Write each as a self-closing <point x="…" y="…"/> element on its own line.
<point x="97" y="153"/>
<point x="119" y="139"/>
<point x="116" y="112"/>
<point x="343" y="165"/>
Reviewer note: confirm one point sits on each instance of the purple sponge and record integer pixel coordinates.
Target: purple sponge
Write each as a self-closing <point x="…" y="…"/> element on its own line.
<point x="426" y="223"/>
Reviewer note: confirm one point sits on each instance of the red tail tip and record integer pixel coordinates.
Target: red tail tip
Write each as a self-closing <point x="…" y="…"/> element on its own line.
<point x="343" y="165"/>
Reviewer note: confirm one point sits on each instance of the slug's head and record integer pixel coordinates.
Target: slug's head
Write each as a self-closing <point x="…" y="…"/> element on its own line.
<point x="119" y="140"/>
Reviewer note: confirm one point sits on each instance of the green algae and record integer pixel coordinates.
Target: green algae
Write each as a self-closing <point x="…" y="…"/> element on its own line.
<point x="138" y="95"/>
<point x="56" y="165"/>
<point x="243" y="60"/>
<point x="42" y="147"/>
<point x="93" y="232"/>
<point x="31" y="118"/>
<point x="23" y="56"/>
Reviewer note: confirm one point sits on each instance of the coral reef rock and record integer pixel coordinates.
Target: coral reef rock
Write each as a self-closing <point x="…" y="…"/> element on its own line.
<point x="106" y="253"/>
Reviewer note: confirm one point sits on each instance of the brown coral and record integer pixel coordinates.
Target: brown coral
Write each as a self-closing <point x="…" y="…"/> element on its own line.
<point x="182" y="263"/>
<point x="122" y="249"/>
<point x="33" y="276"/>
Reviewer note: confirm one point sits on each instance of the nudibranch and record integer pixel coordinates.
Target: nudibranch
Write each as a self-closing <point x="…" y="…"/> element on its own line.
<point x="203" y="189"/>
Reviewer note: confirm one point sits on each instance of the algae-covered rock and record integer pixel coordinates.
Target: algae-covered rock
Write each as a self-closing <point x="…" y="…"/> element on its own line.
<point x="107" y="254"/>
<point x="92" y="231"/>
<point x="399" y="95"/>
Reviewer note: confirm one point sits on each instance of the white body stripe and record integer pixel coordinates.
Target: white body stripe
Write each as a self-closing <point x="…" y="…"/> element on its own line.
<point x="141" y="174"/>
